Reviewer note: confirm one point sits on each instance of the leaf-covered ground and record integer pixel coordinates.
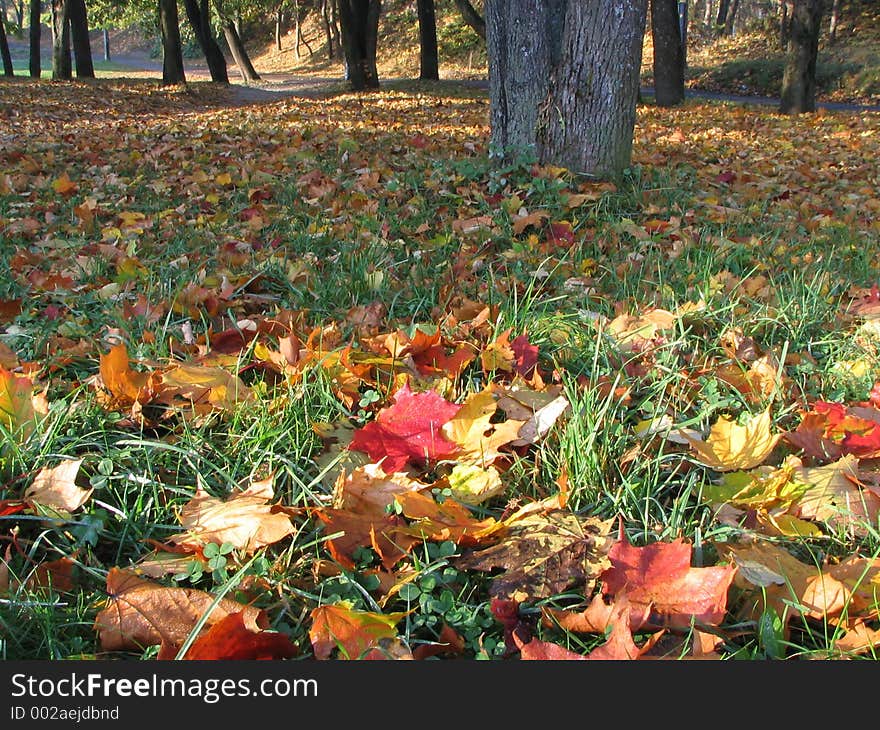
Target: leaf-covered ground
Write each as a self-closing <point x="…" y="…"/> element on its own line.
<point x="315" y="379"/>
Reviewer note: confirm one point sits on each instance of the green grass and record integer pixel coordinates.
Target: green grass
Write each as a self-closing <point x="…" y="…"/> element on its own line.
<point x="320" y="255"/>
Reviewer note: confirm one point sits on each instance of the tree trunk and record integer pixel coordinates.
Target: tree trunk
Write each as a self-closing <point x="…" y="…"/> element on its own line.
<point x="721" y="18"/>
<point x="799" y="78"/>
<point x="199" y="16"/>
<point x="835" y="20"/>
<point x="359" y="20"/>
<point x="471" y="17"/>
<point x="105" y="34"/>
<point x="172" y="50"/>
<point x="79" y="36"/>
<point x="785" y="13"/>
<point x="731" y="17"/>
<point x="34" y="33"/>
<point x="4" y="51"/>
<point x="429" y="64"/>
<point x="279" y="21"/>
<point x="61" y="67"/>
<point x="239" y="53"/>
<point x="328" y="33"/>
<point x="707" y="14"/>
<point x="668" y="53"/>
<point x="563" y="81"/>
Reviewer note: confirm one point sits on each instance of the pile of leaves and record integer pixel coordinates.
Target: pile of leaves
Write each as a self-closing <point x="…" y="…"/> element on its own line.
<point x="318" y="379"/>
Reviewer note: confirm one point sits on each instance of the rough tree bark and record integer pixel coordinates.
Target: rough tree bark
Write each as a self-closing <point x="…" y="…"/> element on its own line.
<point x="668" y="61"/>
<point x="199" y="15"/>
<point x="429" y="64"/>
<point x="472" y="17"/>
<point x="34" y="33"/>
<point x="61" y="66"/>
<point x="172" y="49"/>
<point x="799" y="78"/>
<point x="359" y="21"/>
<point x="563" y="81"/>
<point x="4" y="51"/>
<point x="79" y="36"/>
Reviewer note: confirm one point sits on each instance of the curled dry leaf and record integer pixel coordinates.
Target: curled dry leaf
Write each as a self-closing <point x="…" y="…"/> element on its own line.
<point x="141" y="613"/>
<point x="55" y="488"/>
<point x="245" y="520"/>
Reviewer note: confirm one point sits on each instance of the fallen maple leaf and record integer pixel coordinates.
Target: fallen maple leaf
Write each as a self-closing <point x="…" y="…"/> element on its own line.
<point x="353" y="633"/>
<point x="236" y="636"/>
<point x="544" y="554"/>
<point x="142" y="613"/>
<point x="245" y="520"/>
<point x="55" y="488"/>
<point x="659" y="582"/>
<point x="731" y="446"/>
<point x="410" y="431"/>
<point x="17" y="413"/>
<point x="124" y="384"/>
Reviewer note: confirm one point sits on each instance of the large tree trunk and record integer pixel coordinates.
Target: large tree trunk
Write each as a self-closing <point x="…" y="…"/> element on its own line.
<point x="472" y="17"/>
<point x="79" y="36"/>
<point x="429" y="64"/>
<point x="239" y="53"/>
<point x="199" y="15"/>
<point x="34" y="33"/>
<point x="668" y="53"/>
<point x="359" y="20"/>
<point x="172" y="50"/>
<point x="4" y="51"/>
<point x="799" y="78"/>
<point x="563" y="81"/>
<point x="61" y="66"/>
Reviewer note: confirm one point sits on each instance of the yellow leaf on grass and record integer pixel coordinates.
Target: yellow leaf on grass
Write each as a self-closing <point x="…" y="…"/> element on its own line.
<point x="731" y="446"/>
<point x="473" y="484"/>
<point x="16" y="404"/>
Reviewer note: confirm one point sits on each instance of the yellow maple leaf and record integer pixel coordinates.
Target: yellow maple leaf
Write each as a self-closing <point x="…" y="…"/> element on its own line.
<point x="731" y="446"/>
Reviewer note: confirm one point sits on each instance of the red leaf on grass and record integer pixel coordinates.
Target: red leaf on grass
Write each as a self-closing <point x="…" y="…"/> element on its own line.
<point x="408" y="432"/>
<point x="231" y="638"/>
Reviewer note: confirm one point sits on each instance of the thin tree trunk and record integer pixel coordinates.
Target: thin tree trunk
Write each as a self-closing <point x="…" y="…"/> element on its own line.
<point x="34" y="33"/>
<point x="199" y="16"/>
<point x="731" y="17"/>
<point x="429" y="64"/>
<point x="239" y="53"/>
<point x="328" y="33"/>
<point x="297" y="31"/>
<point x="721" y="18"/>
<point x="472" y="17"/>
<point x="835" y="21"/>
<point x="4" y="52"/>
<point x="172" y="50"/>
<point x="707" y="14"/>
<point x="359" y="20"/>
<point x="105" y="34"/>
<point x="79" y="36"/>
<point x="668" y="61"/>
<point x="799" y="78"/>
<point x="785" y="13"/>
<point x="61" y="66"/>
<point x="279" y="20"/>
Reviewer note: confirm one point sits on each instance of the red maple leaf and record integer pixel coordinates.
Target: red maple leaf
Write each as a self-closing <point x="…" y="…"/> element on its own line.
<point x="408" y="432"/>
<point x="230" y="638"/>
<point x="661" y="584"/>
<point x="526" y="355"/>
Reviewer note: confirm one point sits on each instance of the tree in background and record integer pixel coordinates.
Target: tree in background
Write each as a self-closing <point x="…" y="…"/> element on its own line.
<point x="359" y="21"/>
<point x="79" y="36"/>
<point x="429" y="64"/>
<point x="668" y="63"/>
<point x="4" y="49"/>
<point x="34" y="33"/>
<point x="471" y="17"/>
<point x="198" y="12"/>
<point x="236" y="46"/>
<point x="564" y="80"/>
<point x="172" y="50"/>
<point x="61" y="66"/>
<point x="799" y="78"/>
